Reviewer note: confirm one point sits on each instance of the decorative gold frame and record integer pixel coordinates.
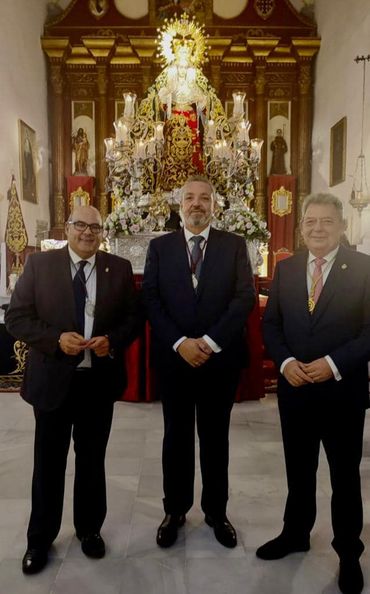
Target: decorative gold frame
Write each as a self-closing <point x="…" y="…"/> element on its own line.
<point x="281" y="202"/>
<point x="338" y="142"/>
<point x="79" y="198"/>
<point x="27" y="162"/>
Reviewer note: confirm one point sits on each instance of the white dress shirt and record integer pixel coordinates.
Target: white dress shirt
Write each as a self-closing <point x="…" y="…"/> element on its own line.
<point x="90" y="275"/>
<point x="188" y="238"/>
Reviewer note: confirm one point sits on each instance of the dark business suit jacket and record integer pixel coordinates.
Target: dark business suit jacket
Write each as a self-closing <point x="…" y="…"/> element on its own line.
<point x="339" y="325"/>
<point x="43" y="306"/>
<point x="224" y="298"/>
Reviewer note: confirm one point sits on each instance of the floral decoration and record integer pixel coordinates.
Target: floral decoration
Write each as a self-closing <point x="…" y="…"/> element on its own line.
<point x="244" y="221"/>
<point x="124" y="219"/>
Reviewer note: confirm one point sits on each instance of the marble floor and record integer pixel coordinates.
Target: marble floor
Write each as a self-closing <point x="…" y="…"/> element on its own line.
<point x="197" y="564"/>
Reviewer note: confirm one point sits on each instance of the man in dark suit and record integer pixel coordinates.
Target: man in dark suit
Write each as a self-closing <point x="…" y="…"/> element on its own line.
<point x="76" y="309"/>
<point x="198" y="289"/>
<point x="317" y="330"/>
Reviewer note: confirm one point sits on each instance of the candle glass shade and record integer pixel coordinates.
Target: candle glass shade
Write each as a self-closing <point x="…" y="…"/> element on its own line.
<point x="238" y="108"/>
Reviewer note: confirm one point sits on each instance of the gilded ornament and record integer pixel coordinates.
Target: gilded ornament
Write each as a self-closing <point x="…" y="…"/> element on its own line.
<point x="281" y="202"/>
<point x="20" y="354"/>
<point x="16" y="237"/>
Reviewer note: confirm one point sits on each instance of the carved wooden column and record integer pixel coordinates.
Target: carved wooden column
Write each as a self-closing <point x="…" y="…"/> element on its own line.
<point x="261" y="48"/>
<point x="145" y="48"/>
<point x="218" y="47"/>
<point x="101" y="50"/>
<point x="102" y="132"/>
<point x="306" y="50"/>
<point x="55" y="50"/>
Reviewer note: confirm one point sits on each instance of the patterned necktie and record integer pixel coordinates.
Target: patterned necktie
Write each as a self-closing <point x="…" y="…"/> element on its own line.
<point x="317" y="282"/>
<point x="196" y="255"/>
<point x="79" y="289"/>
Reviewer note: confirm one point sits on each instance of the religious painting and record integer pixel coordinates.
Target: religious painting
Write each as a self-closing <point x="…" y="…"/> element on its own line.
<point x="338" y="142"/>
<point x="27" y="162"/>
<point x="83" y="138"/>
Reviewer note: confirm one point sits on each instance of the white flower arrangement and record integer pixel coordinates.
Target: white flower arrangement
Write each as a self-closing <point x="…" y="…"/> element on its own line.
<point x="244" y="221"/>
<point x="124" y="219"/>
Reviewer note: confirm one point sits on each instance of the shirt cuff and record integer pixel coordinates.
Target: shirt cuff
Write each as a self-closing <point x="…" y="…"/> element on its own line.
<point x="178" y="342"/>
<point x="285" y="362"/>
<point x="334" y="368"/>
<point x="214" y="346"/>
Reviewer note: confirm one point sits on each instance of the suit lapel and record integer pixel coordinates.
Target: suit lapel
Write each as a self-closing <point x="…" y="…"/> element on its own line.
<point x="211" y="256"/>
<point x="65" y="284"/>
<point x="298" y="284"/>
<point x="332" y="285"/>
<point x="103" y="282"/>
<point x="181" y="257"/>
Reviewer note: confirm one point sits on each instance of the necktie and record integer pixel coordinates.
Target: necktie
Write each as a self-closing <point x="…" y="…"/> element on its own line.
<point x="79" y="289"/>
<point x="317" y="283"/>
<point x="196" y="256"/>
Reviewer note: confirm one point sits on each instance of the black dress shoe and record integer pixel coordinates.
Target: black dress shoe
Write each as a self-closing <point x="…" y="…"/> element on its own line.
<point x="167" y="531"/>
<point x="281" y="546"/>
<point x="224" y="531"/>
<point x="92" y="545"/>
<point x="34" y="560"/>
<point x="351" y="580"/>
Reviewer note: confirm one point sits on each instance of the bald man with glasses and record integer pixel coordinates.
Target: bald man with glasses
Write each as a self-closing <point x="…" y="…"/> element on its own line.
<point x="76" y="309"/>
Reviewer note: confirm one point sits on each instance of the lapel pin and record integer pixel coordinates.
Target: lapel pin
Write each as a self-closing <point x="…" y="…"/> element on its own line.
<point x="107" y="269"/>
<point x="344" y="266"/>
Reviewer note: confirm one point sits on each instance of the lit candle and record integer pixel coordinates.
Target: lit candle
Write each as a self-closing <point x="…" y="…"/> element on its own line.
<point x="151" y="147"/>
<point x="243" y="131"/>
<point x="121" y="131"/>
<point x="129" y="105"/>
<point x="238" y="109"/>
<point x="211" y="131"/>
<point x="224" y="150"/>
<point x="159" y="131"/>
<point x="256" y="144"/>
<point x="217" y="150"/>
<point x="140" y="149"/>
<point x="109" y="145"/>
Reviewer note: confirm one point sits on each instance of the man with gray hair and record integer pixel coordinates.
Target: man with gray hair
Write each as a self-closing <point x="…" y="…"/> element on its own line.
<point x="198" y="290"/>
<point x="317" y="330"/>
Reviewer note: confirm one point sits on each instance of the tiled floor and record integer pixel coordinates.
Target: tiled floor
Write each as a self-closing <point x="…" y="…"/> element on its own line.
<point x="197" y="564"/>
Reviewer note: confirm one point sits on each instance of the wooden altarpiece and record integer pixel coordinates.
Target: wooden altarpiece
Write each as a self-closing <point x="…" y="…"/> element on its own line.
<point x="95" y="53"/>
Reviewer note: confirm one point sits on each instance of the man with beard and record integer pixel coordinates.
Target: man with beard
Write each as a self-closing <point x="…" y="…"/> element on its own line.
<point x="198" y="290"/>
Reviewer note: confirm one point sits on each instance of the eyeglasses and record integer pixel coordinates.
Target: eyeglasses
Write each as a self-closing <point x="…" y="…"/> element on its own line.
<point x="82" y="226"/>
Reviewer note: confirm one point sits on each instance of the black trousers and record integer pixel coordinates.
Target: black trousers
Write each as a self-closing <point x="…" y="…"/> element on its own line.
<point x="203" y="396"/>
<point x="340" y="430"/>
<point x="87" y="416"/>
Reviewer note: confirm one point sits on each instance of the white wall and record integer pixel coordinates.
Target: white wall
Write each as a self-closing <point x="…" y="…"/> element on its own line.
<point x="338" y="93"/>
<point x="23" y="96"/>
